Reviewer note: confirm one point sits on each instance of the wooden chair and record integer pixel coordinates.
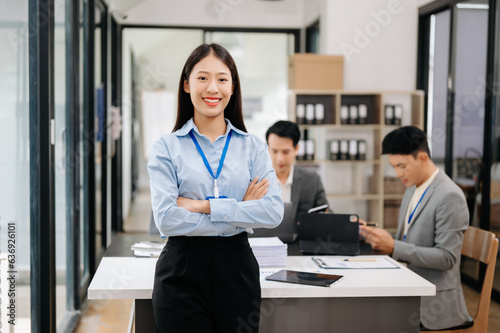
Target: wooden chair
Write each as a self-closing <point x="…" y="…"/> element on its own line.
<point x="482" y="246"/>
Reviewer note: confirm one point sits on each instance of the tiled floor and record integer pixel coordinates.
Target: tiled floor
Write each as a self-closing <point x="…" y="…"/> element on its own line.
<point x="113" y="315"/>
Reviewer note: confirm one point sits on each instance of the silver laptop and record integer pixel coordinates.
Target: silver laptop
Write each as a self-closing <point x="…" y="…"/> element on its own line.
<point x="286" y="230"/>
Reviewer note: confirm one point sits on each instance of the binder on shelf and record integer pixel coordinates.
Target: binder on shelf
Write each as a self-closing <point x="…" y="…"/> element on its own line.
<point x="301" y="114"/>
<point x="310" y="149"/>
<point x="301" y="153"/>
<point x="319" y="113"/>
<point x="344" y="114"/>
<point x="353" y="149"/>
<point x="353" y="114"/>
<point x="362" y="113"/>
<point x="389" y="114"/>
<point x="362" y="149"/>
<point x="334" y="150"/>
<point x="344" y="149"/>
<point x="310" y="113"/>
<point x="398" y="114"/>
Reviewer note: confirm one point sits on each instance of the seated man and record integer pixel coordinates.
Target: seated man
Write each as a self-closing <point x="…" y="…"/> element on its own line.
<point x="432" y="221"/>
<point x="298" y="185"/>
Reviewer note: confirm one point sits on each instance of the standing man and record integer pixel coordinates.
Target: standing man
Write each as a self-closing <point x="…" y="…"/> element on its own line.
<point x="298" y="185"/>
<point x="432" y="221"/>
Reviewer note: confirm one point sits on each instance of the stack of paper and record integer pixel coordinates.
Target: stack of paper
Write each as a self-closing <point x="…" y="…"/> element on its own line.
<point x="269" y="251"/>
<point x="148" y="249"/>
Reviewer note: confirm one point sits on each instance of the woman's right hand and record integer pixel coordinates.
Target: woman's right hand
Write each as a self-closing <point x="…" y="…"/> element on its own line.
<point x="256" y="190"/>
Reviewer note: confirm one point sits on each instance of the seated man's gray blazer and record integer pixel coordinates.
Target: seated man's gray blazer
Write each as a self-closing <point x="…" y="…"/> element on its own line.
<point x="307" y="191"/>
<point x="433" y="249"/>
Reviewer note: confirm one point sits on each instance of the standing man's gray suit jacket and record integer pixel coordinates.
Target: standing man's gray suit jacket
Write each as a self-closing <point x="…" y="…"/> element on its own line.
<point x="433" y="248"/>
<point x="307" y="191"/>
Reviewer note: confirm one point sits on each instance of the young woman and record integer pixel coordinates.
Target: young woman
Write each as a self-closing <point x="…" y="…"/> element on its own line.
<point x="206" y="194"/>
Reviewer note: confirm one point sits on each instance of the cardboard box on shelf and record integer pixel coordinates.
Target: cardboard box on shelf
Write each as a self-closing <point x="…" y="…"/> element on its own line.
<point x="391" y="213"/>
<point x="393" y="185"/>
<point x="315" y="71"/>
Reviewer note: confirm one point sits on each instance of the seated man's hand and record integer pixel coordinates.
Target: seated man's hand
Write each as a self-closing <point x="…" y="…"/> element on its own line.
<point x="379" y="239"/>
<point x="256" y="190"/>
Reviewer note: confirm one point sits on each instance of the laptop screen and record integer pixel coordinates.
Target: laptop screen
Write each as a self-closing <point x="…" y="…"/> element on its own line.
<point x="286" y="230"/>
<point x="329" y="233"/>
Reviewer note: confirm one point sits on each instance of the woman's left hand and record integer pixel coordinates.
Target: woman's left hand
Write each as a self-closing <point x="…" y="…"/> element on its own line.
<point x="194" y="206"/>
<point x="256" y="190"/>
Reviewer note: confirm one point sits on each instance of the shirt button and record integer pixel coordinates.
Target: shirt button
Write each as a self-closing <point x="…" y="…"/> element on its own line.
<point x="225" y="217"/>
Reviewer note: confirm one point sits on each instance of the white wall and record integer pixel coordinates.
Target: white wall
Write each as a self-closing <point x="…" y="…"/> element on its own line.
<point x="126" y="126"/>
<point x="313" y="10"/>
<point x="378" y="39"/>
<point x="421" y="3"/>
<point x="219" y="13"/>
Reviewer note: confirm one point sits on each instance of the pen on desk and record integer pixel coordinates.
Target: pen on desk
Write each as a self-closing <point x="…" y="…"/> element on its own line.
<point x="362" y="259"/>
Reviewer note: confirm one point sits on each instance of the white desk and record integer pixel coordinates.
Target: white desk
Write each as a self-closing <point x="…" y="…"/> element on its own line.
<point x="375" y="300"/>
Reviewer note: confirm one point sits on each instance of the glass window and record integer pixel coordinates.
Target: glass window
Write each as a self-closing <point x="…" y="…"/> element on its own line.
<point x="471" y="33"/>
<point x="82" y="156"/>
<point x="495" y="169"/>
<point x="62" y="161"/>
<point x="99" y="126"/>
<point x="313" y="38"/>
<point x="438" y="76"/>
<point x="14" y="160"/>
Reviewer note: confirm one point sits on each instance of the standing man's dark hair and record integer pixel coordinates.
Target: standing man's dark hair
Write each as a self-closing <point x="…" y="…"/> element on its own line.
<point x="405" y="141"/>
<point x="285" y="129"/>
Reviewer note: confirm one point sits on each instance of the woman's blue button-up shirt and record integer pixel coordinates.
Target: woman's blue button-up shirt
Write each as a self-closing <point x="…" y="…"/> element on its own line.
<point x="176" y="169"/>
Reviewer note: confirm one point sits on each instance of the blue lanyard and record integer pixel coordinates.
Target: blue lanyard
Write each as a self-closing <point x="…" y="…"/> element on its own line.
<point x="414" y="210"/>
<point x="207" y="165"/>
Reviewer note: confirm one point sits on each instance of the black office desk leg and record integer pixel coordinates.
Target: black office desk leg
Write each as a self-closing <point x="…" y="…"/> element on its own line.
<point x="144" y="318"/>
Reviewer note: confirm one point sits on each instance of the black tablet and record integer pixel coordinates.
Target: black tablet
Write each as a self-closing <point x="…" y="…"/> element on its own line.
<point x="315" y="279"/>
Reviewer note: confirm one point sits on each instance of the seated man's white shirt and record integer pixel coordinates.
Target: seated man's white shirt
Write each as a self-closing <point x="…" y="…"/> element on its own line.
<point x="417" y="195"/>
<point x="286" y="189"/>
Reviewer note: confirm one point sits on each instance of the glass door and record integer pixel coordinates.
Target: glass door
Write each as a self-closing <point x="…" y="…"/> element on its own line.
<point x="437" y="100"/>
<point x="99" y="125"/>
<point x="15" y="216"/>
<point x="469" y="72"/>
<point x="63" y="161"/>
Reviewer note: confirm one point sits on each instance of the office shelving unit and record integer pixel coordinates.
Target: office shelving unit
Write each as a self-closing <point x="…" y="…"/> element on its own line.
<point x="366" y="187"/>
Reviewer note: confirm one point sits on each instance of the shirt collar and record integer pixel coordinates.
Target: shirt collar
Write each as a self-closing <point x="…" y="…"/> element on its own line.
<point x="428" y="182"/>
<point x="190" y="125"/>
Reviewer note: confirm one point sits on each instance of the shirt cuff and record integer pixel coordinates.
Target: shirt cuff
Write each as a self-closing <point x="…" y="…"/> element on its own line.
<point x="221" y="210"/>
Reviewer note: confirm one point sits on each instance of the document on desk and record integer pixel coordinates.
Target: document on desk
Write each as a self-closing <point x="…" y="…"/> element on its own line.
<point x="354" y="262"/>
<point x="269" y="251"/>
<point x="148" y="249"/>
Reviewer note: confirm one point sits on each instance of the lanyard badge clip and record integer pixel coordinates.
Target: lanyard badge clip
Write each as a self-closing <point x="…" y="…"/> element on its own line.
<point x="216" y="189"/>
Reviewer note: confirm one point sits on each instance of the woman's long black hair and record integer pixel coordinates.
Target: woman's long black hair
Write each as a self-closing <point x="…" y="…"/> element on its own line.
<point x="185" y="108"/>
